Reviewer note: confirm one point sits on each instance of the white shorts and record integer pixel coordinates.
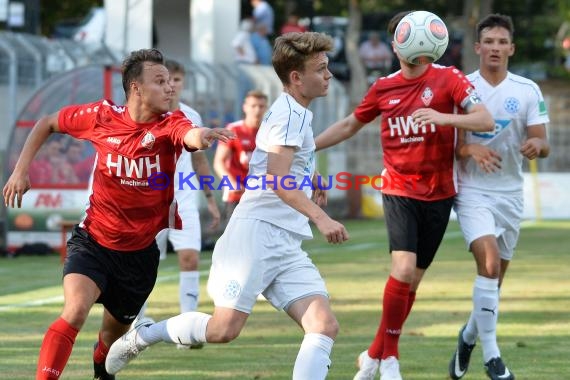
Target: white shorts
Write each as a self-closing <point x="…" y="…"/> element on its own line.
<point x="482" y="214"/>
<point x="254" y="257"/>
<point x="188" y="238"/>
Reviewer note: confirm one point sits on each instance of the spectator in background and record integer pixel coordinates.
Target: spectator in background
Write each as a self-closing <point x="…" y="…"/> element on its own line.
<point x="292" y="25"/>
<point x="261" y="44"/>
<point x="231" y="161"/>
<point x="263" y="14"/>
<point x="376" y="54"/>
<point x="82" y="165"/>
<point x="243" y="48"/>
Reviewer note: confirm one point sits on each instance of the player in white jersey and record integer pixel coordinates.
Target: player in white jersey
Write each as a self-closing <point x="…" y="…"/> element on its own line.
<point x="260" y="251"/>
<point x="489" y="204"/>
<point x="187" y="242"/>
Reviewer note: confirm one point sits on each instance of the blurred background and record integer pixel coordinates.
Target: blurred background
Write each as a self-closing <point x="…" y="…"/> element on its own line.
<point x="54" y="53"/>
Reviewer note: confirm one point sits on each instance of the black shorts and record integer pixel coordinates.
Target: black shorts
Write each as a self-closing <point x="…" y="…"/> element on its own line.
<point x="124" y="278"/>
<point x="416" y="226"/>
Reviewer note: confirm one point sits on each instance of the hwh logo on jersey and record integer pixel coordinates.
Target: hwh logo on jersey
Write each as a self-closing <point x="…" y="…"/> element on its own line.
<point x="405" y="126"/>
<point x="139" y="168"/>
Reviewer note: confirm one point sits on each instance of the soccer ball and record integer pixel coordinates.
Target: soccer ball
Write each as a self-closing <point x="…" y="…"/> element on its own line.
<point x="421" y="37"/>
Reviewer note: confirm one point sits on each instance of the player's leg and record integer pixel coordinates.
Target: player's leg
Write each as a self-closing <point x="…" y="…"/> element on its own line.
<point x="402" y="225"/>
<point x="80" y="293"/>
<point x="315" y="316"/>
<point x="81" y="288"/>
<point x="507" y="212"/>
<point x="187" y="243"/>
<point x="299" y="289"/>
<point x="478" y="226"/>
<point x="236" y="279"/>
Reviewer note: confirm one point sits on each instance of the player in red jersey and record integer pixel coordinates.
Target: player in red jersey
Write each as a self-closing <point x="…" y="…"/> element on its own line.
<point x="417" y="104"/>
<point x="112" y="255"/>
<point x="231" y="161"/>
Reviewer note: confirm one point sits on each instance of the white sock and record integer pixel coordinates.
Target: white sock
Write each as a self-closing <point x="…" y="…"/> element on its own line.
<point x="188" y="328"/>
<point x="313" y="360"/>
<point x="485" y="312"/>
<point x="189" y="290"/>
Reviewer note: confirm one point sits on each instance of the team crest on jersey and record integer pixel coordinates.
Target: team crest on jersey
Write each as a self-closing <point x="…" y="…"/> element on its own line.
<point x="148" y="140"/>
<point x="427" y="96"/>
<point x="512" y="105"/>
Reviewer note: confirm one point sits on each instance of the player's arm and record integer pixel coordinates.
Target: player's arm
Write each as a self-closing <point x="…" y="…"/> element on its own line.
<point x="536" y="145"/>
<point x="202" y="138"/>
<point x="200" y="165"/>
<point x="223" y="154"/>
<point x="476" y="118"/>
<point x="279" y="163"/>
<point x="19" y="181"/>
<point x="486" y="158"/>
<point x="338" y="132"/>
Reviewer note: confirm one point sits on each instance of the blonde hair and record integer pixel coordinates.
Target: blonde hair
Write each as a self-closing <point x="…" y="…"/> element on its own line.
<point x="292" y="50"/>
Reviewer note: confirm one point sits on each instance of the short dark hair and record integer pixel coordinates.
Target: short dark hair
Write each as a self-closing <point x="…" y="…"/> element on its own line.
<point x="133" y="65"/>
<point x="395" y="20"/>
<point x="174" y="66"/>
<point x="292" y="50"/>
<point x="495" y="20"/>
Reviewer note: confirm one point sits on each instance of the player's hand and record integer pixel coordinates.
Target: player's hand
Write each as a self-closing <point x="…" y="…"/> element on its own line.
<point x="214" y="213"/>
<point x="15" y="188"/>
<point x="222" y="134"/>
<point x="487" y="159"/>
<point x="425" y="116"/>
<point x="333" y="231"/>
<point x="531" y="148"/>
<point x="319" y="195"/>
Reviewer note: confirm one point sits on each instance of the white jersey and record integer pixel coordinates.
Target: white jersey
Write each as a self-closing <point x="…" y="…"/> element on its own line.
<point x="287" y="123"/>
<point x="515" y="104"/>
<point x="186" y="198"/>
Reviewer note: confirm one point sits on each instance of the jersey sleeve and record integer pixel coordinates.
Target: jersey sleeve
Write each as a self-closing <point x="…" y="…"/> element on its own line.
<point x="536" y="110"/>
<point x="368" y="110"/>
<point x="179" y="125"/>
<point x="462" y="91"/>
<point x="78" y="120"/>
<point x="286" y="128"/>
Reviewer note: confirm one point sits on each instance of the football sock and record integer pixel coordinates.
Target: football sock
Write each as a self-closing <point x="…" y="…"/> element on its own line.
<point x="55" y="350"/>
<point x="100" y="352"/>
<point x="470" y="332"/>
<point x="485" y="312"/>
<point x="313" y="360"/>
<point x="411" y="300"/>
<point x="394" y="312"/>
<point x="188" y="328"/>
<point x="189" y="289"/>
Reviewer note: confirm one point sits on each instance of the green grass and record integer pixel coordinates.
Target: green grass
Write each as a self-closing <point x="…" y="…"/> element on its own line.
<point x="534" y="323"/>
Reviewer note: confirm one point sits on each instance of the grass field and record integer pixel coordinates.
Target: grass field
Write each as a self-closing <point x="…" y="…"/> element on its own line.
<point x="534" y="323"/>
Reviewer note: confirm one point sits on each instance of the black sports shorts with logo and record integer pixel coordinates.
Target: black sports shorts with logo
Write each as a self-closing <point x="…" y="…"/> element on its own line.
<point x="416" y="226"/>
<point x="124" y="278"/>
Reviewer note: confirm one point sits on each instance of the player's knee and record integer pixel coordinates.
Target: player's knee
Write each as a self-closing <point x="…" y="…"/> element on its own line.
<point x="326" y="326"/>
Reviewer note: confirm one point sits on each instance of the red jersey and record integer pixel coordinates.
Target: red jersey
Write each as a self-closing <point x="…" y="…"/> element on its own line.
<point x="242" y="148"/>
<point x="125" y="213"/>
<point x="418" y="160"/>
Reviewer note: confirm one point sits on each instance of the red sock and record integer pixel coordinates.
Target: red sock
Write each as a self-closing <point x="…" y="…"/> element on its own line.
<point x="411" y="299"/>
<point x="56" y="348"/>
<point x="394" y="309"/>
<point x="100" y="352"/>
